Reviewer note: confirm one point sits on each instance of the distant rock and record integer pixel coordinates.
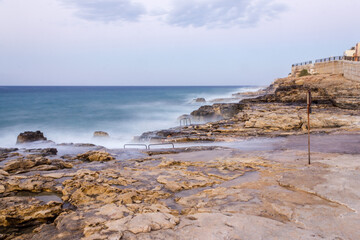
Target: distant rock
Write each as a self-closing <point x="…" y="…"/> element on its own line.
<point x="30" y="137"/>
<point x="200" y="100"/>
<point x="100" y="134"/>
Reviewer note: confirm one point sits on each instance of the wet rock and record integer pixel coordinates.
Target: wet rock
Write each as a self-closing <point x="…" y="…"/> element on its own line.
<point x="15" y="211"/>
<point x="205" y="113"/>
<point x="77" y="144"/>
<point x="26" y="137"/>
<point x="8" y="150"/>
<point x="95" y="156"/>
<point x="100" y="134"/>
<point x="35" y="183"/>
<point x="200" y="100"/>
<point x="217" y="111"/>
<point x="37" y="164"/>
<point x="43" y="151"/>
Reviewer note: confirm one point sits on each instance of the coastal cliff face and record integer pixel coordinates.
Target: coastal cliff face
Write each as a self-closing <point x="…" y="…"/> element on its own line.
<point x="278" y="110"/>
<point x="326" y="89"/>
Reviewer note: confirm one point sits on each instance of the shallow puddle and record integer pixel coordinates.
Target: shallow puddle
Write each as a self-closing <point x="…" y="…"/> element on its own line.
<point x="44" y="196"/>
<point x="247" y="177"/>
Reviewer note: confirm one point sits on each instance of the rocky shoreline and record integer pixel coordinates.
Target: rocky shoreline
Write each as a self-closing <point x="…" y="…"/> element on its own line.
<point x="201" y="192"/>
<point x="277" y="110"/>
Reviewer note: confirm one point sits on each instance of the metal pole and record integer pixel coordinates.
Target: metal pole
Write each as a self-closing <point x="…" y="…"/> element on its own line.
<point x="308" y="115"/>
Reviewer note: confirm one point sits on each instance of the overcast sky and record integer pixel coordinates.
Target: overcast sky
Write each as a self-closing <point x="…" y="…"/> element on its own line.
<point x="168" y="42"/>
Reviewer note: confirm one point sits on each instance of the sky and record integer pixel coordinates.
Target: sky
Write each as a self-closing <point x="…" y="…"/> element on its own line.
<point x="168" y="42"/>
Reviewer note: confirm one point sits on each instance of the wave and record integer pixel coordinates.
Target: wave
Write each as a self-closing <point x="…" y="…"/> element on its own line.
<point x="73" y="117"/>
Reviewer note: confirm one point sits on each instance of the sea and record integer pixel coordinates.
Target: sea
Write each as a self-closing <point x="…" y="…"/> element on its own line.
<point x="73" y="114"/>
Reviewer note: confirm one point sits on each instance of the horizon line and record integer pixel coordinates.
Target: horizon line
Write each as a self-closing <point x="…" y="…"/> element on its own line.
<point x="130" y="85"/>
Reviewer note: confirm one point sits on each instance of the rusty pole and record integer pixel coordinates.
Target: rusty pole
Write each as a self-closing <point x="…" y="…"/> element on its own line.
<point x="308" y="98"/>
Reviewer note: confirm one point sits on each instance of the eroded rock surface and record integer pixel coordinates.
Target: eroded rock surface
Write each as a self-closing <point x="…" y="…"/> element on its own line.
<point x="22" y="165"/>
<point x="98" y="156"/>
<point x="210" y="193"/>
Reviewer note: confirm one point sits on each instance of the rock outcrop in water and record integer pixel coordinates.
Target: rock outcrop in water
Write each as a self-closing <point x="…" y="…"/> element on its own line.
<point x="216" y="112"/>
<point x="29" y="136"/>
<point x="200" y="100"/>
<point x="100" y="134"/>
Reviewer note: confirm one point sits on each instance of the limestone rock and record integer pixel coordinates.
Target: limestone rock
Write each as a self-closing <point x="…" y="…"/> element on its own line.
<point x="7" y="150"/>
<point x="95" y="156"/>
<point x="100" y="134"/>
<point x="144" y="223"/>
<point x="217" y="111"/>
<point x="15" y="211"/>
<point x="200" y="100"/>
<point x="30" y="137"/>
<point x="43" y="151"/>
<point x="326" y="89"/>
<point x="37" y="164"/>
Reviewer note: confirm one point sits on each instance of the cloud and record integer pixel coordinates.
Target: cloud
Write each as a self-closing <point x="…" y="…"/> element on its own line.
<point x="222" y="13"/>
<point x="107" y="10"/>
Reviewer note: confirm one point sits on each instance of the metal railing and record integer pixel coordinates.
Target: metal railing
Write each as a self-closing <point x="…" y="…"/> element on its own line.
<point x="128" y="145"/>
<point x="159" y="144"/>
<point x="355" y="59"/>
<point x="185" y="121"/>
<point x="302" y="64"/>
<point x="329" y="59"/>
<point x="147" y="147"/>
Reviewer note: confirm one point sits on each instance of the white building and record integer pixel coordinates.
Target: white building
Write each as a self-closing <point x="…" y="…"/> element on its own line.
<point x="353" y="52"/>
<point x="349" y="53"/>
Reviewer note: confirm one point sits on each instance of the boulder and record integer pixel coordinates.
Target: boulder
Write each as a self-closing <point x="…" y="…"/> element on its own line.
<point x="100" y="134"/>
<point x="30" y="137"/>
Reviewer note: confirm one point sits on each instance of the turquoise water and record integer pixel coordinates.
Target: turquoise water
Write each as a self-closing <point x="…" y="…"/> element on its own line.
<point x="72" y="114"/>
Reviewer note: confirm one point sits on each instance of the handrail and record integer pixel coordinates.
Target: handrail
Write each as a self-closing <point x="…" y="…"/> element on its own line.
<point x="355" y="59"/>
<point x="329" y="59"/>
<point x="184" y="121"/>
<point x="302" y="64"/>
<point x="158" y="144"/>
<point x="146" y="147"/>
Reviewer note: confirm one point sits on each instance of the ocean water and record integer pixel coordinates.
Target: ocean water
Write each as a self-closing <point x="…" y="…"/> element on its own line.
<point x="72" y="114"/>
